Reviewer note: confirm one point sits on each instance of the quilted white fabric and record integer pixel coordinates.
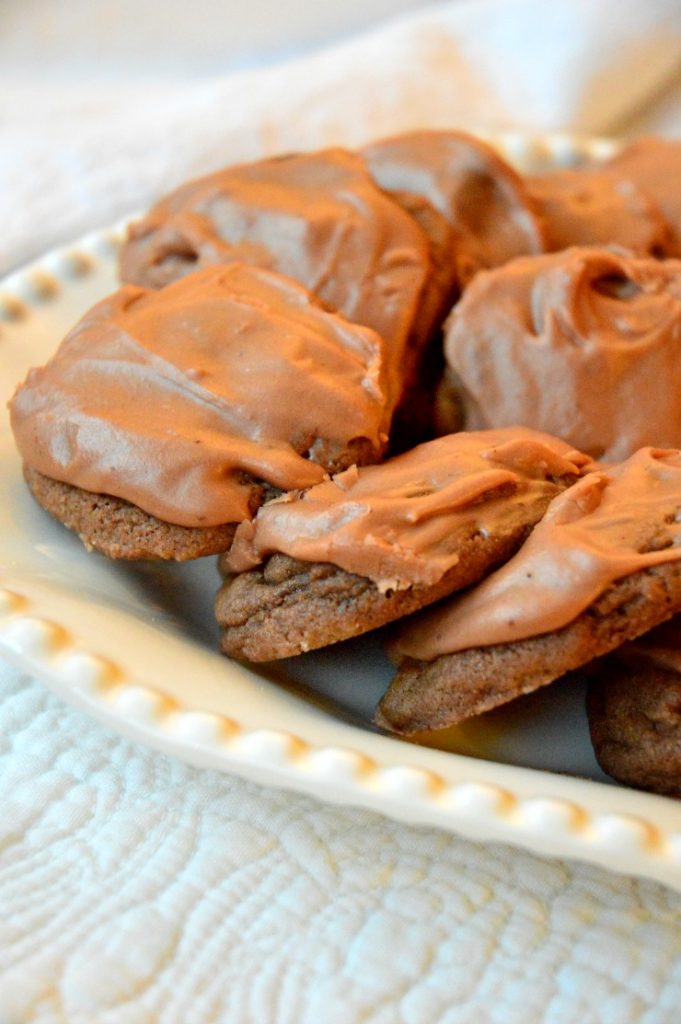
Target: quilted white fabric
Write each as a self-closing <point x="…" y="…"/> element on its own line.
<point x="134" y="889"/>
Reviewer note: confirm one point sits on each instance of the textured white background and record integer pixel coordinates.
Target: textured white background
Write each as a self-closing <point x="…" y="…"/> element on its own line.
<point x="134" y="889"/>
<point x="137" y="889"/>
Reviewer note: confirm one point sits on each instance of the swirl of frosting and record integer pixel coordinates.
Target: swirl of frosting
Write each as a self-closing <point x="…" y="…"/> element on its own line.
<point x="170" y="399"/>
<point x="606" y="526"/>
<point x="590" y="206"/>
<point x="485" y="201"/>
<point x="584" y="344"/>
<point x="396" y="523"/>
<point x="318" y="218"/>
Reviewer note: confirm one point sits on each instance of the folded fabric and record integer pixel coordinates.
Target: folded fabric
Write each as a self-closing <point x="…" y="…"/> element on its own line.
<point x="85" y="149"/>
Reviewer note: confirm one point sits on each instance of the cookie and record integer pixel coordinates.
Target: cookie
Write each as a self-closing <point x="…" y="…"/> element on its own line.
<point x="318" y="218"/>
<point x="170" y="404"/>
<point x="634" y="711"/>
<point x="590" y="206"/>
<point x="489" y="208"/>
<point x="602" y="567"/>
<point x="121" y="530"/>
<point x="375" y="543"/>
<point x="584" y="344"/>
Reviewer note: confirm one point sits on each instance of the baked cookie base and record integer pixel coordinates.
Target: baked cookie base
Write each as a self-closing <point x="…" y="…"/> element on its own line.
<point x="287" y="606"/>
<point x="425" y="696"/>
<point x="634" y="712"/>
<point x="121" y="530"/>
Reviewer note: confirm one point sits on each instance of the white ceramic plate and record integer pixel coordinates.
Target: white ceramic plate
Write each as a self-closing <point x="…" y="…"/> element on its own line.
<point x="135" y="646"/>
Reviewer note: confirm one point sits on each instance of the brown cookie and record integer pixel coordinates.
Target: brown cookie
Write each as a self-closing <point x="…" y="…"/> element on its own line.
<point x="377" y="543"/>
<point x="634" y="711"/>
<point x="121" y="530"/>
<point x="289" y="606"/>
<point x="320" y="219"/>
<point x="429" y="695"/>
<point x="602" y="567"/>
<point x="167" y="417"/>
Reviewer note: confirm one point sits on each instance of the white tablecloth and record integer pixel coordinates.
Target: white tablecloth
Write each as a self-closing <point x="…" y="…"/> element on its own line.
<point x="134" y="889"/>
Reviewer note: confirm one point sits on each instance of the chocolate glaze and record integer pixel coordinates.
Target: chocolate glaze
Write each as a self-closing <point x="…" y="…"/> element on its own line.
<point x="395" y="523"/>
<point x="175" y="400"/>
<point x="608" y="525"/>
<point x="585" y="344"/>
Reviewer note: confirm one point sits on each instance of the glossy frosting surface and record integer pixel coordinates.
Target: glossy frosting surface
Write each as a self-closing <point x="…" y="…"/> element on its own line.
<point x="167" y="398"/>
<point x="397" y="523"/>
<point x="584" y="344"/>
<point x="608" y="525"/>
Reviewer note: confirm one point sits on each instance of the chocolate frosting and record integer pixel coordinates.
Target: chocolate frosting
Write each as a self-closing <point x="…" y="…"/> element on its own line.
<point x="167" y="399"/>
<point x="585" y="344"/>
<point x="482" y="197"/>
<point x="608" y="525"/>
<point x="396" y="523"/>
<point x="316" y="217"/>
<point x="655" y="166"/>
<point x="589" y="206"/>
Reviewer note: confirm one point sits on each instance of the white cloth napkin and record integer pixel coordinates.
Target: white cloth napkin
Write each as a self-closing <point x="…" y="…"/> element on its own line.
<point x="82" y="149"/>
<point x="134" y="889"/>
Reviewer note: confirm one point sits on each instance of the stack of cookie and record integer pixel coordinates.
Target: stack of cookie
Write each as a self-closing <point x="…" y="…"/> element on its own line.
<point x="270" y="384"/>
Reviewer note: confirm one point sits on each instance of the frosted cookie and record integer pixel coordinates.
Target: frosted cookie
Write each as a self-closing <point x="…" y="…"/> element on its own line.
<point x="485" y="201"/>
<point x="375" y="543"/>
<point x="590" y="206"/>
<point x="166" y="417"/>
<point x="654" y="165"/>
<point x="584" y="344"/>
<point x="318" y="218"/>
<point x="602" y="567"/>
<point x="634" y="709"/>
